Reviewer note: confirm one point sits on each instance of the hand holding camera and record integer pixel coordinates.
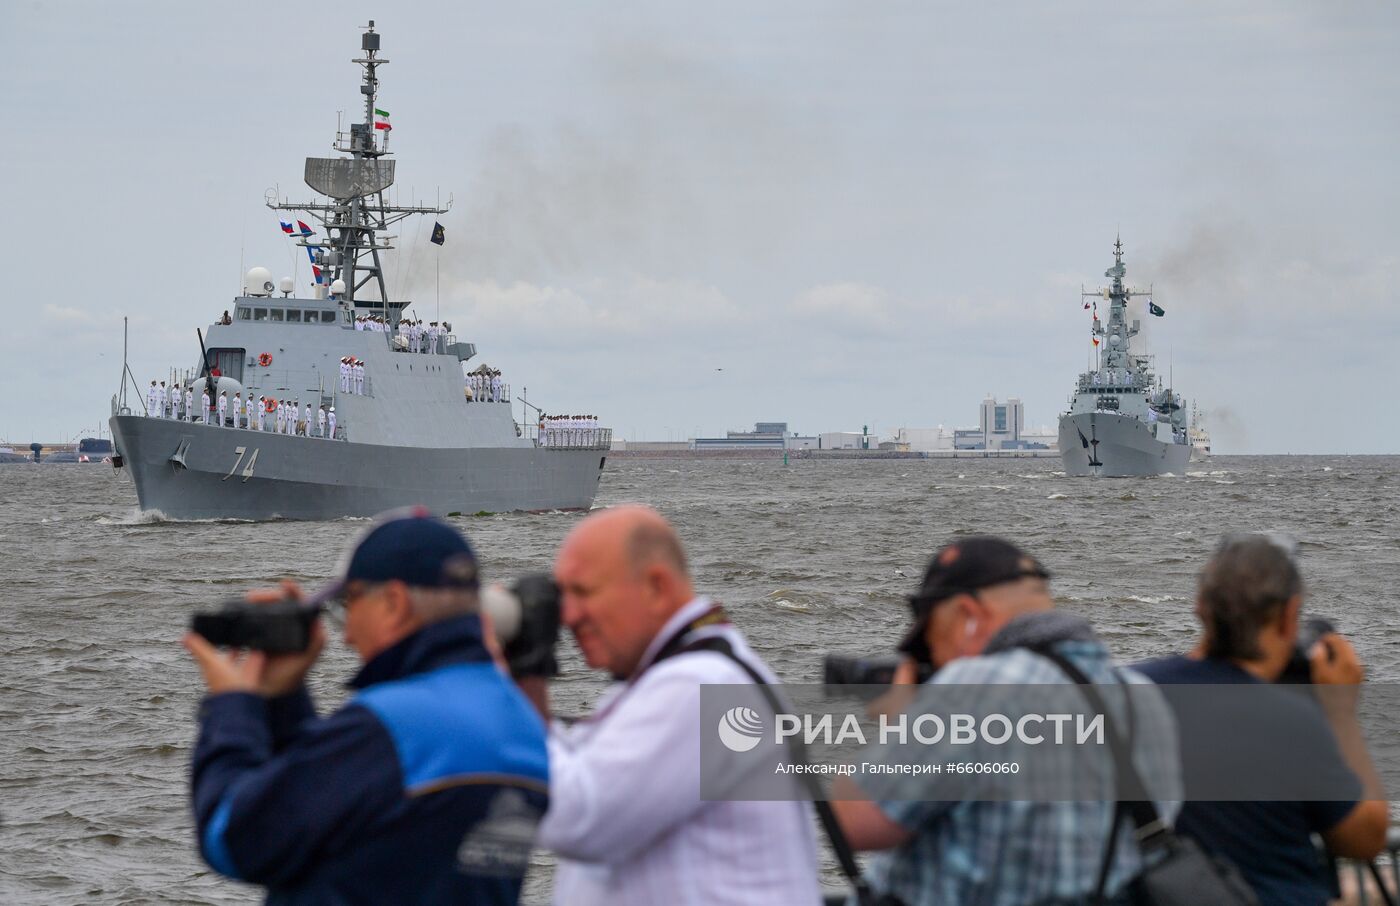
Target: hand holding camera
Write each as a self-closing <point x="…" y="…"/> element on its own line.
<point x="274" y="638"/>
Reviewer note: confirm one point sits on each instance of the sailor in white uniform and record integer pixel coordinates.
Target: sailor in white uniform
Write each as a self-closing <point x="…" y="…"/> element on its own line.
<point x="262" y="413"/>
<point x="359" y="369"/>
<point x="248" y="411"/>
<point x="175" y="398"/>
<point x="496" y="387"/>
<point x="306" y="421"/>
<point x="330" y="423"/>
<point x="151" y="399"/>
<point x="321" y="422"/>
<point x="223" y="407"/>
<point x="189" y="403"/>
<point x="281" y="414"/>
<point x="237" y="410"/>
<point x="204" y="407"/>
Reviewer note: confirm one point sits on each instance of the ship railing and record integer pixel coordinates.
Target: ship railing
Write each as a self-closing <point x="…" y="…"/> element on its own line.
<point x="444" y="342"/>
<point x="570" y="438"/>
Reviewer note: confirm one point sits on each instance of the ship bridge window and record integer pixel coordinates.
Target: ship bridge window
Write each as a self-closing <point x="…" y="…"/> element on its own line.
<point x="294" y="314"/>
<point x="327" y="317"/>
<point x="275" y="314"/>
<point x="259" y="314"/>
<point x="244" y="314"/>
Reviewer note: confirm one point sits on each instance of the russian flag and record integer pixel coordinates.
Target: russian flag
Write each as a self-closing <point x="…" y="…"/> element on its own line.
<point x="286" y="227"/>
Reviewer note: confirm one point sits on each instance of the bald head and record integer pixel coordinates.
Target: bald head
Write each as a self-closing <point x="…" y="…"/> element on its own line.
<point x="622" y="573"/>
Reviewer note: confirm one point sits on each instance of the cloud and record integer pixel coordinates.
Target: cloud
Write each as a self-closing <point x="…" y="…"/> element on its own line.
<point x="845" y="306"/>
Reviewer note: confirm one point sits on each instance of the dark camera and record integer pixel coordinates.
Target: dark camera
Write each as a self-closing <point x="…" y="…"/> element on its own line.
<point x="280" y="628"/>
<point x="526" y="620"/>
<point x="1309" y="631"/>
<point x="845" y="670"/>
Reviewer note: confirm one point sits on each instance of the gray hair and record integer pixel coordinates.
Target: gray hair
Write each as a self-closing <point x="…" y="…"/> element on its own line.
<point x="433" y="605"/>
<point x="1242" y="589"/>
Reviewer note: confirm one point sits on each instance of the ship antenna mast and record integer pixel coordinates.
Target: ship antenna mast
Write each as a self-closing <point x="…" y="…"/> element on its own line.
<point x="356" y="214"/>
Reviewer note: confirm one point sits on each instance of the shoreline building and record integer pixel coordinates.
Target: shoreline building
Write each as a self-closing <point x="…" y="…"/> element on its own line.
<point x="1001" y="426"/>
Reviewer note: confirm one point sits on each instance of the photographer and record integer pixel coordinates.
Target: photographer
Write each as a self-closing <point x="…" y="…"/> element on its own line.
<point x="1249" y="598"/>
<point x="983" y="617"/>
<point x="426" y="787"/>
<point x="626" y="816"/>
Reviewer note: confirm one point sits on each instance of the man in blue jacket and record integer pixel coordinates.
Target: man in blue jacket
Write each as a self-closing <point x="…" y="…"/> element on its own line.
<point x="426" y="787"/>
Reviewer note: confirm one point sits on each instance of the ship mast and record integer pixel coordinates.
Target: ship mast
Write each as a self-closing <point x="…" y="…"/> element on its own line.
<point x="355" y="215"/>
<point x="1115" y="349"/>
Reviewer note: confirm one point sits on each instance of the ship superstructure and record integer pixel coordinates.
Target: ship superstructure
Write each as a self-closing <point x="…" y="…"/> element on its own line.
<point x="1121" y="420"/>
<point x="405" y="429"/>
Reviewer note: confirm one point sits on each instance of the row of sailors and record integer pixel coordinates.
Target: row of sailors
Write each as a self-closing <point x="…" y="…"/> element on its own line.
<point x="263" y="414"/>
<point x="485" y="387"/>
<point x="567" y="430"/>
<point x="352" y="375"/>
<point x="417" y="338"/>
<point x="1114" y="377"/>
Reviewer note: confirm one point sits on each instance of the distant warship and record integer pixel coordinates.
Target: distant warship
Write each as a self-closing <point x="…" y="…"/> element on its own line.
<point x="410" y="433"/>
<point x="1121" y="421"/>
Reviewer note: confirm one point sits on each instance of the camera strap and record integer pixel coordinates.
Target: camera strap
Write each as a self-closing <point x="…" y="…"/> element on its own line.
<point x="845" y="856"/>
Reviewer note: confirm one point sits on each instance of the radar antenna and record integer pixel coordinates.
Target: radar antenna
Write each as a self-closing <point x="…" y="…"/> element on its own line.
<point x="355" y="213"/>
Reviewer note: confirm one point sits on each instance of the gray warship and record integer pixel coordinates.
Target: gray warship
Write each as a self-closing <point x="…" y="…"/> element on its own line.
<point x="1121" y="421"/>
<point x="413" y="434"/>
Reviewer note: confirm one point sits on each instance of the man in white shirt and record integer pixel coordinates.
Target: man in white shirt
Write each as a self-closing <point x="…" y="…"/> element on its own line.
<point x="189" y="403"/>
<point x="204" y="406"/>
<point x="321" y="422"/>
<point x="237" y="408"/>
<point x="223" y="408"/>
<point x="330" y="424"/>
<point x="250" y="411"/>
<point x="626" y="816"/>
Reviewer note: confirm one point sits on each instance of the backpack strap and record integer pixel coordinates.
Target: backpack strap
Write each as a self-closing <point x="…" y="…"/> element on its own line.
<point x="1130" y="793"/>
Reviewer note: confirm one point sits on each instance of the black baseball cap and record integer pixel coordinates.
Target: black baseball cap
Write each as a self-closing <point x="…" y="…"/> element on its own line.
<point x="964" y="567"/>
<point x="411" y="546"/>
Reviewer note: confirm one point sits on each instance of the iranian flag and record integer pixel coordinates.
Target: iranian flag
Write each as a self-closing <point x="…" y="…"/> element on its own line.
<point x="381" y="119"/>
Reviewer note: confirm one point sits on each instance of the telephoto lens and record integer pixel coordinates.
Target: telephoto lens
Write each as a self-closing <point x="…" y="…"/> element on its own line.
<point x="1310" y="629"/>
<point x="525" y="617"/>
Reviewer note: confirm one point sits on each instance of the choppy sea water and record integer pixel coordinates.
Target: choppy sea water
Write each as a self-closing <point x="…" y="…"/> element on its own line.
<point x="97" y="698"/>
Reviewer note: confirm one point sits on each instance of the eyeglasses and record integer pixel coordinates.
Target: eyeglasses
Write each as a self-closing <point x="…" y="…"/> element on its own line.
<point x="338" y="606"/>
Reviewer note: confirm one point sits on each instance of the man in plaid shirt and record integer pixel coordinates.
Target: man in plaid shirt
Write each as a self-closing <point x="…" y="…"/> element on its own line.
<point x="982" y="608"/>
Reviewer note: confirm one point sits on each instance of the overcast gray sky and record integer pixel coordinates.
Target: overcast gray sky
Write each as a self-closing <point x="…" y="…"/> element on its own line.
<point x="865" y="214"/>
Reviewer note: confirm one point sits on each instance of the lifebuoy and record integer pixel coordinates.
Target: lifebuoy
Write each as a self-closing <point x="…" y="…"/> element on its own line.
<point x="271" y="404"/>
<point x="265" y="359"/>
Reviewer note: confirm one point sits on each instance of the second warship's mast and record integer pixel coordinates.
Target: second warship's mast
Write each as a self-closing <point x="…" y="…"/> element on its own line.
<point x="356" y="213"/>
<point x="1117" y="295"/>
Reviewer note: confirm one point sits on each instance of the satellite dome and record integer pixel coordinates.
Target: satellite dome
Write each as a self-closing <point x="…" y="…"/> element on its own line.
<point x="1114" y="340"/>
<point x="285" y="285"/>
<point x="258" y="282"/>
